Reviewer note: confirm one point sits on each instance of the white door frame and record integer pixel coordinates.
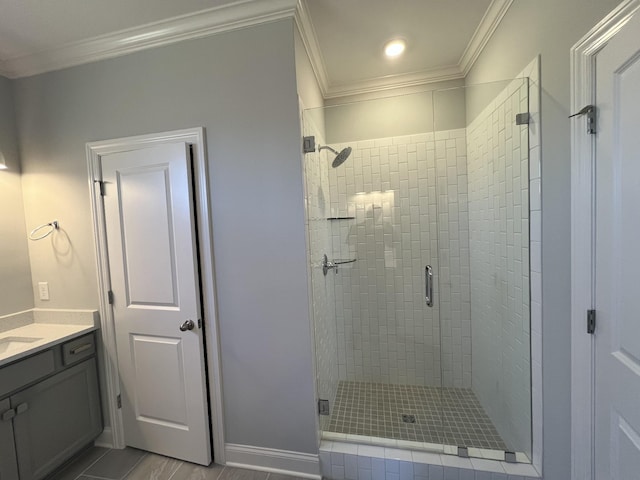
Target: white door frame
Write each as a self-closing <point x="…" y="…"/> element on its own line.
<point x="114" y="436"/>
<point x="582" y="238"/>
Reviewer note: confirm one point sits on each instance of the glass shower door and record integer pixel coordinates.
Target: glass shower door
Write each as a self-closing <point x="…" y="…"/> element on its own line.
<point x="484" y="270"/>
<point x="380" y="216"/>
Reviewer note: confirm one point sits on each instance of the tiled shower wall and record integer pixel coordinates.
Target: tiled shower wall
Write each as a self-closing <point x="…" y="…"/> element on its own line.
<point x="322" y="288"/>
<point x="385" y="331"/>
<point x="498" y="169"/>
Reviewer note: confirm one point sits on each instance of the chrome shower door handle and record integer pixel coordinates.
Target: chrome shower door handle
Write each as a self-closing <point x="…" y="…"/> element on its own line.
<point x="428" y="285"/>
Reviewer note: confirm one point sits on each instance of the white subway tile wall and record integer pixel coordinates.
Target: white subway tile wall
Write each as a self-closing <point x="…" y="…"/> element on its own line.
<point x="322" y="287"/>
<point x="386" y="333"/>
<point x="498" y="174"/>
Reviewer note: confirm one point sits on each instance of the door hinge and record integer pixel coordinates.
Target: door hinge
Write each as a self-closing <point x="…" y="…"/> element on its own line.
<point x="119" y="401"/>
<point x="101" y="186"/>
<point x="110" y="297"/>
<point x="463" y="452"/>
<point x="323" y="407"/>
<point x="591" y="321"/>
<point x="590" y="112"/>
<point x="523" y="118"/>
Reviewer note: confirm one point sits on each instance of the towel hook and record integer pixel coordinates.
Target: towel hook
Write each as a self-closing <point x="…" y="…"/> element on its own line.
<point x="51" y="225"/>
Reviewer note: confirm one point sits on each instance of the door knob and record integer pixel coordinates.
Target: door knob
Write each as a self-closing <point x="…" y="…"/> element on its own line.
<point x="187" y="325"/>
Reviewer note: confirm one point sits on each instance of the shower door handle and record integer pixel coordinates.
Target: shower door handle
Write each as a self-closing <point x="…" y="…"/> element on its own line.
<point x="428" y="285"/>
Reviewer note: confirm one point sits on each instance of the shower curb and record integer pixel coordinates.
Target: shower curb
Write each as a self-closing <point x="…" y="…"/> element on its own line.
<point x="349" y="461"/>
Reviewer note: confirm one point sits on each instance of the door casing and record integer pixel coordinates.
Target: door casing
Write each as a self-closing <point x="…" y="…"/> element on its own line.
<point x="114" y="436"/>
<point x="583" y="92"/>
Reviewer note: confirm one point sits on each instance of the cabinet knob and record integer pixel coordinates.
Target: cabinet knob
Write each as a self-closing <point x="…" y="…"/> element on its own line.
<point x="23" y="407"/>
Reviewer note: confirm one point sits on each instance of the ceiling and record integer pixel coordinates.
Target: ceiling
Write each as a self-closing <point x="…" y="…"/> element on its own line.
<point x="351" y="35"/>
<point x="344" y="38"/>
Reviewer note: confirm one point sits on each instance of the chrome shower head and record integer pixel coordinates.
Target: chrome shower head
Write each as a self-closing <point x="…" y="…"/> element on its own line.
<point x="341" y="156"/>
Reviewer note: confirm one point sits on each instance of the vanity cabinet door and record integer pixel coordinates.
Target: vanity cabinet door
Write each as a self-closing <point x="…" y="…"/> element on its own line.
<point x="55" y="419"/>
<point x="8" y="466"/>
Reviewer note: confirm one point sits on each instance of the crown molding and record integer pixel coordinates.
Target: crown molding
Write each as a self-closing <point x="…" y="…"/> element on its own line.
<point x="200" y="24"/>
<point x="391" y="82"/>
<point x="486" y="28"/>
<point x="241" y="14"/>
<point x="310" y="41"/>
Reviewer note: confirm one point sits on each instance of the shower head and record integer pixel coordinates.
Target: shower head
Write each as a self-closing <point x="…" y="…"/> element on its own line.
<point x="341" y="156"/>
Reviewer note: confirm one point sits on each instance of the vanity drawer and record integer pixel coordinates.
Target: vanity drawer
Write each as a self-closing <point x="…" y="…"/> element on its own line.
<point x="78" y="349"/>
<point x="24" y="372"/>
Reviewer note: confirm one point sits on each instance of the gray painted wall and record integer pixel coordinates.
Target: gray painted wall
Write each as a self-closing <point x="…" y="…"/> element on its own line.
<point x="549" y="28"/>
<point x="407" y="112"/>
<point x="479" y="96"/>
<point x="240" y="86"/>
<point x="16" y="293"/>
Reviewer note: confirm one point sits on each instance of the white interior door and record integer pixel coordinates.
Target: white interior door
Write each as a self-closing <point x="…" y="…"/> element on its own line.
<point x="154" y="277"/>
<point x="617" y="336"/>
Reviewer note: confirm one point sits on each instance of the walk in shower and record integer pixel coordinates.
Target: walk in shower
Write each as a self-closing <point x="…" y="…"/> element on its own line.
<point x="419" y="262"/>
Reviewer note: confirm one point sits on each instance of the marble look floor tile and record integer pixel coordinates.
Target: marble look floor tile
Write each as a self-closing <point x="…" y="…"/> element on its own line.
<point x="189" y="471"/>
<point x="277" y="476"/>
<point x="79" y="464"/>
<point x="115" y="464"/>
<point x="242" y="474"/>
<point x="154" y="467"/>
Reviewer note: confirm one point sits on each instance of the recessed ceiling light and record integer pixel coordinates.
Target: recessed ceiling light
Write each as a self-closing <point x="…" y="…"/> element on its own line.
<point x="394" y="48"/>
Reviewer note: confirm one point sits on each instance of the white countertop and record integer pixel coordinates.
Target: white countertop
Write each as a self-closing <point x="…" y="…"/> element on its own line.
<point x="46" y="335"/>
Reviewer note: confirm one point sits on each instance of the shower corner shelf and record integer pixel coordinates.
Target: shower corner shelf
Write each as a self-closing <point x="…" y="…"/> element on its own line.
<point x="340" y="218"/>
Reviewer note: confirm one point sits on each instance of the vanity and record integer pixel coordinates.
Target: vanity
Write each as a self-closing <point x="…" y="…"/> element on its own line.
<point x="49" y="395"/>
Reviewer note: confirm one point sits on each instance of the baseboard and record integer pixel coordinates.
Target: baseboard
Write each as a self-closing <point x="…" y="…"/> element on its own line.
<point x="305" y="465"/>
<point x="105" y="439"/>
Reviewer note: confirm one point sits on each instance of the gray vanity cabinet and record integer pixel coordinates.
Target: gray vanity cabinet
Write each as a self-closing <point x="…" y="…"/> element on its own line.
<point x="49" y="409"/>
<point x="59" y="416"/>
<point x="8" y="465"/>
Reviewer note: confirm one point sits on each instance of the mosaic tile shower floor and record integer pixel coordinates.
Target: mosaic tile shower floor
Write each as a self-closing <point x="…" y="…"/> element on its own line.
<point x="449" y="416"/>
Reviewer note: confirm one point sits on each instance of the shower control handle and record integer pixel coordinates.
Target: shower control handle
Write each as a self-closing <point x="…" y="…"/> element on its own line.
<point x="187" y="325"/>
<point x="327" y="265"/>
<point x="428" y="285"/>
